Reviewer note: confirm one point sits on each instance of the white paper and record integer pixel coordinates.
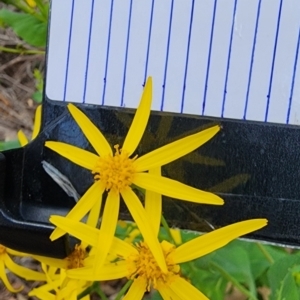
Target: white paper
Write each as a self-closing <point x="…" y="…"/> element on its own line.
<point x="231" y="59"/>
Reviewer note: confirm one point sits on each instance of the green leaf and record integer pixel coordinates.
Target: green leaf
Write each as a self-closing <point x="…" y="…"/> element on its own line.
<point x="235" y="261"/>
<point x="259" y="261"/>
<point x="209" y="283"/>
<point x="26" y="26"/>
<point x="287" y="289"/>
<point x="279" y="279"/>
<point x="37" y="97"/>
<point x="9" y="145"/>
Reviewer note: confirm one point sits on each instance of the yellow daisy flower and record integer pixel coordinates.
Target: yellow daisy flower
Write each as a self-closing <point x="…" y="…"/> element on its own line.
<point x="136" y="262"/>
<point x="59" y="285"/>
<point x="116" y="173"/>
<point x="7" y="262"/>
<point x="36" y="128"/>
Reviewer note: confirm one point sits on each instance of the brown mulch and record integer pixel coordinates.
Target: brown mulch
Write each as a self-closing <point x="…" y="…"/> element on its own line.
<point x="17" y="84"/>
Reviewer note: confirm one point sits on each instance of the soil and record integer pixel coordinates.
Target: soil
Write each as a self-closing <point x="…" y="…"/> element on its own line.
<point x="17" y="84"/>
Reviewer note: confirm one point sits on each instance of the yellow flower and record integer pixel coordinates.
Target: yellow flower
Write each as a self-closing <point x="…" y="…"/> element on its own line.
<point x="7" y="262"/>
<point x="55" y="269"/>
<point x="116" y="173"/>
<point x="58" y="287"/>
<point x="36" y="127"/>
<point x="137" y="263"/>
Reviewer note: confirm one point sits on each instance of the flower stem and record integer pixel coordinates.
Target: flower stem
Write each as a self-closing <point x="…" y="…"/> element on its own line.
<point x="28" y="10"/>
<point x="43" y="9"/>
<point x="265" y="253"/>
<point x="21" y="51"/>
<point x="86" y="292"/>
<point x="98" y="290"/>
<point x="124" y="289"/>
<point x="234" y="282"/>
<point x="167" y="228"/>
<point x="95" y="287"/>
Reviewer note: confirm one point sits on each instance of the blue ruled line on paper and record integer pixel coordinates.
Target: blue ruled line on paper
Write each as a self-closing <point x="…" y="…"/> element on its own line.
<point x="273" y="62"/>
<point x="88" y="51"/>
<point x="293" y="80"/>
<point x="126" y="54"/>
<point x="107" y="49"/>
<point x="148" y="45"/>
<point x="187" y="56"/>
<point x="209" y="56"/>
<point x="228" y="59"/>
<point x="149" y="42"/>
<point x="167" y="58"/>
<point x="68" y="51"/>
<point x="252" y="60"/>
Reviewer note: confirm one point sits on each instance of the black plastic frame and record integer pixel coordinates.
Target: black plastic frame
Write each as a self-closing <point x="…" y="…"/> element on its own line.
<point x="252" y="165"/>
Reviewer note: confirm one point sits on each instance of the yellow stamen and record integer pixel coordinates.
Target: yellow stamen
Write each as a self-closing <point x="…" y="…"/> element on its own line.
<point x="115" y="172"/>
<point x="76" y="258"/>
<point x="143" y="265"/>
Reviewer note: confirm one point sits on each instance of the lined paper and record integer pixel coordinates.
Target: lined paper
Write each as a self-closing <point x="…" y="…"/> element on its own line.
<point x="231" y="59"/>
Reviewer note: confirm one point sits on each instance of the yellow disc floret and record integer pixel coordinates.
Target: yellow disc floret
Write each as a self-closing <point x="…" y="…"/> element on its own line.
<point x="115" y="172"/>
<point x="76" y="258"/>
<point x="144" y="266"/>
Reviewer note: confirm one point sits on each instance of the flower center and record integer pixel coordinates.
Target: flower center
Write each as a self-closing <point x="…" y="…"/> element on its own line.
<point x="144" y="265"/>
<point x="76" y="258"/>
<point x="2" y="249"/>
<point x="115" y="172"/>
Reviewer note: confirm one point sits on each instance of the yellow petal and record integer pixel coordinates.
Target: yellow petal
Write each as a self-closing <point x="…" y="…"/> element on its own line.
<point x="141" y="219"/>
<point x="140" y="120"/>
<point x="82" y="207"/>
<point x="52" y="285"/>
<point x="136" y="290"/>
<point x="176" y="235"/>
<point x="122" y="249"/>
<point x="69" y="291"/>
<point x="175" y="189"/>
<point x="173" y="151"/>
<point x="153" y="204"/>
<point x="37" y="122"/>
<point x="22" y="138"/>
<point x="76" y="155"/>
<point x="53" y="262"/>
<point x="185" y="290"/>
<point x="91" y="132"/>
<point x="214" y="240"/>
<point x="106" y="272"/>
<point x="167" y="293"/>
<point x="93" y="217"/>
<point x="22" y="271"/>
<point x="16" y="253"/>
<point x="79" y="230"/>
<point x="41" y="294"/>
<point x="53" y="272"/>
<point x="108" y="227"/>
<point x="4" y="278"/>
